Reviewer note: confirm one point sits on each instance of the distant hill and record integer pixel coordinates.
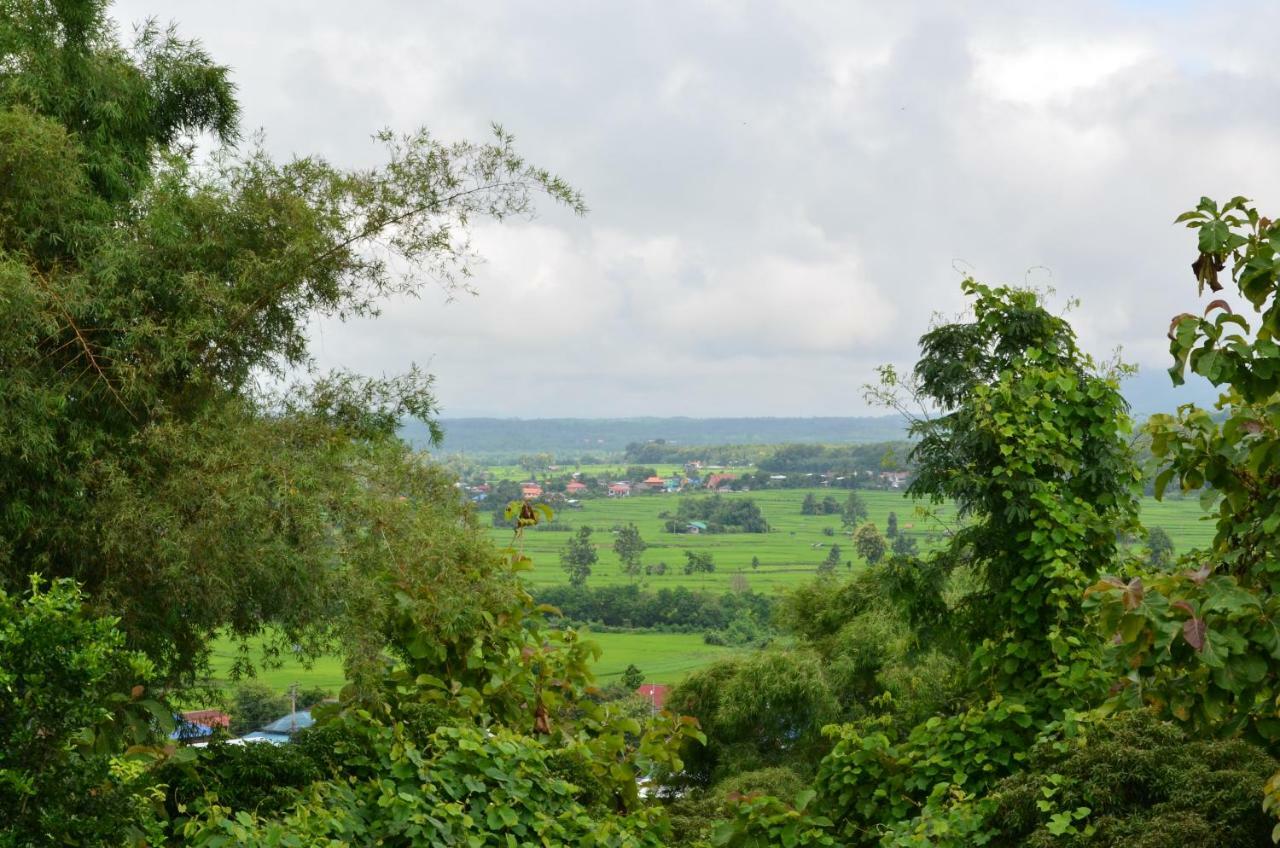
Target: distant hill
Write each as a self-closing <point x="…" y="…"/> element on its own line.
<point x="612" y="435"/>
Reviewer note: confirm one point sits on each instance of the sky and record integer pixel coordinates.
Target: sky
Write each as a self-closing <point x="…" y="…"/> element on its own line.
<point x="782" y="195"/>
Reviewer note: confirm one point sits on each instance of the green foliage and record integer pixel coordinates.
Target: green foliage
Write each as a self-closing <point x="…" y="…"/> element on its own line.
<point x="254" y="704"/>
<point x="763" y="710"/>
<point x="145" y="293"/>
<point x="632" y="678"/>
<point x="831" y="562"/>
<point x="1159" y="549"/>
<point x="629" y="546"/>
<point x="1201" y="645"/>
<point x="1136" y="781"/>
<point x="721" y="514"/>
<point x="854" y="511"/>
<point x="1031" y="447"/>
<point x="698" y="562"/>
<point x="891" y="526"/>
<point x="262" y="777"/>
<point x="869" y="544"/>
<point x="578" y="556"/>
<point x="71" y="699"/>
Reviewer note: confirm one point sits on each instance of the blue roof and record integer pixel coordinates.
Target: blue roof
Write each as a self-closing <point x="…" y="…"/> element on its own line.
<point x="288" y="724"/>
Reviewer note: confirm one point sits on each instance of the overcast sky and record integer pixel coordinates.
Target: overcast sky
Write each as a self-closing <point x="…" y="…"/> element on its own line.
<point x="781" y="193"/>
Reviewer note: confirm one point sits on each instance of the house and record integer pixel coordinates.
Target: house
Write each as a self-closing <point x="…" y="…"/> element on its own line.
<point x="671" y="484"/>
<point x="209" y="718"/>
<point x="696" y="527"/>
<point x="655" y="694"/>
<point x="895" y="479"/>
<point x="619" y="490"/>
<point x="575" y="487"/>
<point x="652" y="484"/>
<point x="720" y="482"/>
<point x="282" y="729"/>
<point x="530" y="490"/>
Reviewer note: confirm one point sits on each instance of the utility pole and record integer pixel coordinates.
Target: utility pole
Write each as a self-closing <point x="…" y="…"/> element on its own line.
<point x="293" y="707"/>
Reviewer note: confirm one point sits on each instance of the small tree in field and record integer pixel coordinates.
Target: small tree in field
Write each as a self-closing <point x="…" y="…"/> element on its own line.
<point x="628" y="546"/>
<point x="810" y="505"/>
<point x="891" y="526"/>
<point x="869" y="544"/>
<point x="854" y="512"/>
<point x="828" y="566"/>
<point x="755" y="562"/>
<point x="698" y="561"/>
<point x="578" y="557"/>
<point x="632" y="678"/>
<point x="1159" y="548"/>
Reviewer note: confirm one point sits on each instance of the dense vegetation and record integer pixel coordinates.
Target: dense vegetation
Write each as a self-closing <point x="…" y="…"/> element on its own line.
<point x="1024" y="682"/>
<point x="719" y="514"/>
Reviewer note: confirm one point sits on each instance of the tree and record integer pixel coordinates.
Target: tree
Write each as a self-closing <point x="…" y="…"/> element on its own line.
<point x="869" y="544"/>
<point x="1199" y="644"/>
<point x="146" y="296"/>
<point x="904" y="545"/>
<point x="891" y="526"/>
<point x="854" y="512"/>
<point x="1029" y="438"/>
<point x="629" y="546"/>
<point x="828" y="566"/>
<point x="698" y="562"/>
<point x="578" y="556"/>
<point x="809" y="506"/>
<point x="755" y="562"/>
<point x="830" y="506"/>
<point x="254" y="704"/>
<point x="1159" y="549"/>
<point x="632" y="678"/>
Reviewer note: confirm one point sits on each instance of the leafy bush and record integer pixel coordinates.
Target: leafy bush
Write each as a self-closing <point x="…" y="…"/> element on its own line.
<point x="259" y="777"/>
<point x="70" y="697"/>
<point x="1139" y="782"/>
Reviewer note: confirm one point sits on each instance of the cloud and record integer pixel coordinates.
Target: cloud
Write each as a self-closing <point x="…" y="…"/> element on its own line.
<point x="781" y="193"/>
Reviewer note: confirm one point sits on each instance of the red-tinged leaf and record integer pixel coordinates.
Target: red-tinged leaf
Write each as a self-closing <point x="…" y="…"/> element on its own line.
<point x="1178" y="319"/>
<point x="1251" y="427"/>
<point x="1193" y="630"/>
<point x="1198" y="576"/>
<point x="1133" y="593"/>
<point x="136" y="692"/>
<point x="1183" y="605"/>
<point x="1218" y="304"/>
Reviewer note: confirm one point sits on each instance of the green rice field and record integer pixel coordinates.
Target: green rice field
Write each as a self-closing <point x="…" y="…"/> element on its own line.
<point x="789" y="554"/>
<point x="663" y="657"/>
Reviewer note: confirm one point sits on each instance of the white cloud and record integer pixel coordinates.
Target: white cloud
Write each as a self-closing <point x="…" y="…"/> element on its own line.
<point x="780" y="193"/>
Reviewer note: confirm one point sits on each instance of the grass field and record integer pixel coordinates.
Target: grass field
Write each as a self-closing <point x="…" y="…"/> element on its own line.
<point x="788" y="554"/>
<point x="663" y="657"/>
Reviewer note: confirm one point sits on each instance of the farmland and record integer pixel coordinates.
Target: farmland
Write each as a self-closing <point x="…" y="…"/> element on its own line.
<point x="789" y="554"/>
<point x="663" y="657"/>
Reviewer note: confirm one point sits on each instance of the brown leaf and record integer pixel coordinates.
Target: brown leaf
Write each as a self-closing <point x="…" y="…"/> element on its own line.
<point x="1206" y="269"/>
<point x="1253" y="428"/>
<point x="136" y="692"/>
<point x="1198" y="576"/>
<point x="541" y="721"/>
<point x="1133" y="593"/>
<point x="1183" y="605"/>
<point x="1218" y="304"/>
<point x="1194" y="630"/>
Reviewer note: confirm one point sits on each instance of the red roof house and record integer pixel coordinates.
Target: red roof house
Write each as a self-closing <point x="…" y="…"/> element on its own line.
<point x="715" y="481"/>
<point x="655" y="694"/>
<point x="209" y="718"/>
<point x="531" y="490"/>
<point x="575" y="486"/>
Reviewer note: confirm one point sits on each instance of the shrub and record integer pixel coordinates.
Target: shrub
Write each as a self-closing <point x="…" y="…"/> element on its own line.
<point x="1141" y="783"/>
